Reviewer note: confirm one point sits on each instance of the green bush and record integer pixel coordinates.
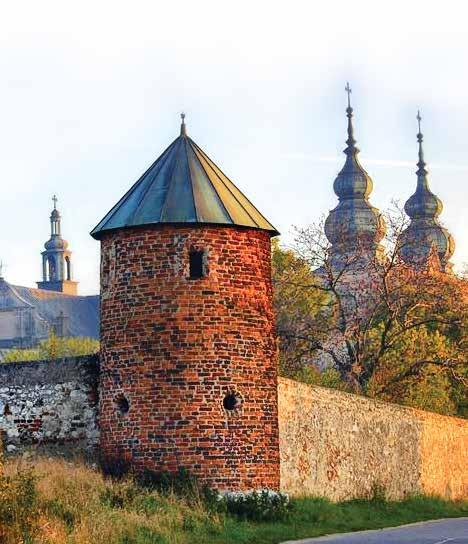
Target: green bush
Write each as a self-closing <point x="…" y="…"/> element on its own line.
<point x="265" y="505"/>
<point x="19" y="507"/>
<point x="182" y="484"/>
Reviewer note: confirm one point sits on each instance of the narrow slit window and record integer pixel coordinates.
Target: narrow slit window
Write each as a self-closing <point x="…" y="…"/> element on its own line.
<point x="196" y="265"/>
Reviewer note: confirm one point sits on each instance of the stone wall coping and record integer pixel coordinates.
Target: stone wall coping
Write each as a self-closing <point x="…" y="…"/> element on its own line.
<point x="371" y="401"/>
<point x="49" y="371"/>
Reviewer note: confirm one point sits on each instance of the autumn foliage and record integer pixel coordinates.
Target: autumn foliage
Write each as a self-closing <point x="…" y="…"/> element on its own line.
<point x="390" y="330"/>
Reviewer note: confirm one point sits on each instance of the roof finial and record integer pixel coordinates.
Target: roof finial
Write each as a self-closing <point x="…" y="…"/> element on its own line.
<point x="54" y="200"/>
<point x="2" y="268"/>
<point x="183" y="129"/>
<point x="422" y="172"/>
<point x="349" y="114"/>
<point x="349" y="91"/>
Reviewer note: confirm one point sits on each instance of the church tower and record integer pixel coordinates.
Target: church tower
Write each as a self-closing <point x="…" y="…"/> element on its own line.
<point x="188" y="352"/>
<point x="354" y="228"/>
<point x="56" y="259"/>
<point x="425" y="236"/>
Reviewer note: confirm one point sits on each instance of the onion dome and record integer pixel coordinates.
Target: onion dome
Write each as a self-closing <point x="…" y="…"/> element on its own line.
<point x="183" y="186"/>
<point x="56" y="242"/>
<point x="425" y="235"/>
<point x="354" y="225"/>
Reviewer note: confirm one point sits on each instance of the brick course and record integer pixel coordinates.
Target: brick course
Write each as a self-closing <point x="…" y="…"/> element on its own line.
<point x="173" y="348"/>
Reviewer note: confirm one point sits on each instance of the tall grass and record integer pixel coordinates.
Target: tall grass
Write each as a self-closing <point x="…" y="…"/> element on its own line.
<point x="75" y="504"/>
<point x="60" y="502"/>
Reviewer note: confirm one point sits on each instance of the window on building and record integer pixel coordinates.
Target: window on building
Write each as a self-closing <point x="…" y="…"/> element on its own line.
<point x="68" y="267"/>
<point x="51" y="269"/>
<point x="196" y="265"/>
<point x="123" y="406"/>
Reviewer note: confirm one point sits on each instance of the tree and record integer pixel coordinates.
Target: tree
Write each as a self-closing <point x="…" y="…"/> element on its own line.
<point x="389" y="329"/>
<point x="54" y="348"/>
<point x="295" y="305"/>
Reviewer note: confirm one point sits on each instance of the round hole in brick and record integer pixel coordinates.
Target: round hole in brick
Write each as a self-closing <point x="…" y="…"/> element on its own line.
<point x="123" y="406"/>
<point x="232" y="401"/>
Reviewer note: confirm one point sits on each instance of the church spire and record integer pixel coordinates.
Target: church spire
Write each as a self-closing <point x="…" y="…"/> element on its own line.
<point x="351" y="149"/>
<point x="56" y="259"/>
<point x="425" y="234"/>
<point x="421" y="172"/>
<point x="354" y="226"/>
<point x="55" y="219"/>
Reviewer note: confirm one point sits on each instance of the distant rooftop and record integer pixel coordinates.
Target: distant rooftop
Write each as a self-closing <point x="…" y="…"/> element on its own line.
<point x="183" y="186"/>
<point x="82" y="312"/>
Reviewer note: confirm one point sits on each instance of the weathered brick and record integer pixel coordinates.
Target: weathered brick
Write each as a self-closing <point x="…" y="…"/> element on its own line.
<point x="175" y="347"/>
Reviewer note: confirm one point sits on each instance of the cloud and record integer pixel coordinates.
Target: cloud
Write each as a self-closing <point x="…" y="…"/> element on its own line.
<point x="374" y="162"/>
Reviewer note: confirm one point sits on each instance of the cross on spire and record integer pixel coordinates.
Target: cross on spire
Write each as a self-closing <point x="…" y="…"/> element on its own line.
<point x="349" y="91"/>
<point x="422" y="172"/>
<point x="418" y="117"/>
<point x="54" y="200"/>
<point x="351" y="149"/>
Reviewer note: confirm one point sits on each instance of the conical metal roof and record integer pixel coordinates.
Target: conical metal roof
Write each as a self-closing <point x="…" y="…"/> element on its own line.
<point x="183" y="186"/>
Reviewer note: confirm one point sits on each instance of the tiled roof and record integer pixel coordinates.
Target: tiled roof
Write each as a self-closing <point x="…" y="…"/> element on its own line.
<point x="82" y="312"/>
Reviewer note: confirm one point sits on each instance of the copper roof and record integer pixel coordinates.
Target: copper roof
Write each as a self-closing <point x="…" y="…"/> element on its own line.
<point x="183" y="186"/>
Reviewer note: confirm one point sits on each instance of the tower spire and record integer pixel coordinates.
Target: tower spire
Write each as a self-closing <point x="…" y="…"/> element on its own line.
<point x="183" y="128"/>
<point x="421" y="172"/>
<point x="351" y="149"/>
<point x="56" y="259"/>
<point x="424" y="233"/>
<point x="354" y="225"/>
<point x="55" y="228"/>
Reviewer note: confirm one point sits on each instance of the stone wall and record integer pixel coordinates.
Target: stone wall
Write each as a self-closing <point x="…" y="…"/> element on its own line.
<point x="342" y="446"/>
<point x="49" y="403"/>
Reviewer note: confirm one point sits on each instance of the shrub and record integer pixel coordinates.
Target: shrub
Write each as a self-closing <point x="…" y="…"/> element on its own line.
<point x="264" y="505"/>
<point x="19" y="508"/>
<point x="182" y="484"/>
<point x="119" y="496"/>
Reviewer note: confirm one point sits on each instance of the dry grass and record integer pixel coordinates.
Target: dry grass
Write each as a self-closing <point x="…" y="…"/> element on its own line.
<point x="76" y="504"/>
<point x="64" y="502"/>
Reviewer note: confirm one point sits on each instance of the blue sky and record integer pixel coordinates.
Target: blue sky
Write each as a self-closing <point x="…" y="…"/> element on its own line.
<point x="91" y="93"/>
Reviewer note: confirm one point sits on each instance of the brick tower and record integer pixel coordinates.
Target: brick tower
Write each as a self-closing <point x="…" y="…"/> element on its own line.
<point x="189" y="375"/>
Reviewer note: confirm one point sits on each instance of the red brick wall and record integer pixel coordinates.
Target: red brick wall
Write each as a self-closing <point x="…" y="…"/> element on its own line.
<point x="175" y="347"/>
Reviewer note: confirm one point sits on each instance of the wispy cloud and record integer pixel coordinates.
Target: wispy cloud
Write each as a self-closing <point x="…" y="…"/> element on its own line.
<point x="376" y="162"/>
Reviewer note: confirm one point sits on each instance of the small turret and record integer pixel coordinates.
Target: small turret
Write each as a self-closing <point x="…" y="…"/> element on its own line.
<point x="354" y="227"/>
<point x="425" y="236"/>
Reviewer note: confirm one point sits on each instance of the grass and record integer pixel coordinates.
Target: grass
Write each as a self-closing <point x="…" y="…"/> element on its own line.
<point x="62" y="502"/>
